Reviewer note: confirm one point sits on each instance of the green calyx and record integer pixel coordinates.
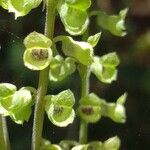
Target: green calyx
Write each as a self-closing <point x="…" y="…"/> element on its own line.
<point x="46" y="145"/>
<point x="81" y="51"/>
<point x="70" y="10"/>
<point x="89" y="109"/>
<point x="92" y="108"/>
<point x="16" y="104"/>
<point x="112" y="143"/>
<point x="38" y="53"/>
<point x="60" y="68"/>
<point x="115" y="111"/>
<point x="59" y="108"/>
<point x="68" y="144"/>
<point x="105" y="67"/>
<point x="20" y="7"/>
<point x="93" y="40"/>
<point x="113" y="23"/>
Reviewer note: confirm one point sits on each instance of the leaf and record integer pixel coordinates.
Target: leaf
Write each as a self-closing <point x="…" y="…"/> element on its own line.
<point x="22" y="7"/>
<point x="105" y="67"/>
<point x="81" y="51"/>
<point x="59" y="108"/>
<point x="93" y="40"/>
<point x="7" y="89"/>
<point x="60" y="68"/>
<point x="38" y="52"/>
<point x="79" y="4"/>
<point x="112" y="144"/>
<point x="113" y="23"/>
<point x="75" y="20"/>
<point x="89" y="109"/>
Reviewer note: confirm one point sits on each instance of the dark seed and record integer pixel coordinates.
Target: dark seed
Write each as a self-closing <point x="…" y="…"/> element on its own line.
<point x="39" y="54"/>
<point x="58" y="110"/>
<point x="87" y="110"/>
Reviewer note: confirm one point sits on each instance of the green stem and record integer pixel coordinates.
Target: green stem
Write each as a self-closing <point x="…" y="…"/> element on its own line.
<point x="43" y="80"/>
<point x="84" y="73"/>
<point x="4" y="140"/>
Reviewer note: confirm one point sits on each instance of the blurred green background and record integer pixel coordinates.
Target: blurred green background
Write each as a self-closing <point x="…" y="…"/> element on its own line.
<point x="133" y="77"/>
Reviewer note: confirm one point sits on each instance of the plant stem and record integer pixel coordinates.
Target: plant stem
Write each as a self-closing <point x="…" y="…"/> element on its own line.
<point x="4" y="140"/>
<point x="43" y="80"/>
<point x="84" y="73"/>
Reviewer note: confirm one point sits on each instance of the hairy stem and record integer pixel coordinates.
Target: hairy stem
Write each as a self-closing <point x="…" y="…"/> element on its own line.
<point x="4" y="140"/>
<point x="83" y="131"/>
<point x="43" y="80"/>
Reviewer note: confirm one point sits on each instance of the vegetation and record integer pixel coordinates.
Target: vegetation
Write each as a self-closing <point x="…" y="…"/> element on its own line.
<point x="55" y="63"/>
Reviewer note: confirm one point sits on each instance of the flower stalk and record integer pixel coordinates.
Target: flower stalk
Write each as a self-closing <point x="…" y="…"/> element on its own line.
<point x="4" y="139"/>
<point x="43" y="80"/>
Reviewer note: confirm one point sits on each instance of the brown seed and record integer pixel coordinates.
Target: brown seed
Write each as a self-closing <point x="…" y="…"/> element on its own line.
<point x="87" y="110"/>
<point x="39" y="54"/>
<point x="58" y="109"/>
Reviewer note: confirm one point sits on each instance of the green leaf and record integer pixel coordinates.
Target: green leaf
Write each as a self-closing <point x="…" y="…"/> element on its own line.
<point x="112" y="144"/>
<point x="75" y="20"/>
<point x="113" y="23"/>
<point x="60" y="68"/>
<point x="79" y="4"/>
<point x="35" y="39"/>
<point x="59" y="108"/>
<point x="7" y="89"/>
<point x="93" y="40"/>
<point x="22" y="7"/>
<point x="80" y="147"/>
<point x="38" y="53"/>
<point x="81" y="51"/>
<point x="105" y="67"/>
<point x="89" y="109"/>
